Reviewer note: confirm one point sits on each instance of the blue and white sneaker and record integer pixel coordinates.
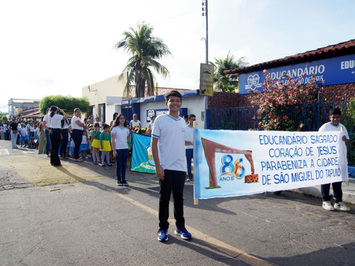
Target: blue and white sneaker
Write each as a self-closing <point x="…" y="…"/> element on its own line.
<point x="183" y="233"/>
<point x="163" y="235"/>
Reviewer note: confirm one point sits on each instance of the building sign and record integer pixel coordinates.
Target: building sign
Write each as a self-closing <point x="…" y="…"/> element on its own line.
<point x="337" y="70"/>
<point x="125" y="102"/>
<point x="158" y="112"/>
<point x="206" y="79"/>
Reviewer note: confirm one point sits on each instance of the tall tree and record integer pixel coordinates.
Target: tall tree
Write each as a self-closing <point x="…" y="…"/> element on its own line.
<point x="145" y="50"/>
<point x="224" y="83"/>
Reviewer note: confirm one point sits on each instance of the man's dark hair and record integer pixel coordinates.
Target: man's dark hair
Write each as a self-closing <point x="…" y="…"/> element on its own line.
<point x="172" y="93"/>
<point x="335" y="111"/>
<point x="191" y="116"/>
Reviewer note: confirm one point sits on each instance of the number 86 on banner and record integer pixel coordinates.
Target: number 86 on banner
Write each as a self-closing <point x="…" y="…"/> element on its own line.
<point x="229" y="168"/>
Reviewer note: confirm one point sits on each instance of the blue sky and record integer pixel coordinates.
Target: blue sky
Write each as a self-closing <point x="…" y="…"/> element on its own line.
<point x="59" y="47"/>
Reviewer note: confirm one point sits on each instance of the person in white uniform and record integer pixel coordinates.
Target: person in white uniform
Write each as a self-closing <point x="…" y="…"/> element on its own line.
<point x="335" y="125"/>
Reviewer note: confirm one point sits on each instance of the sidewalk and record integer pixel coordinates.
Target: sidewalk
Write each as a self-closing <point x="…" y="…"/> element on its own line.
<point x="348" y="191"/>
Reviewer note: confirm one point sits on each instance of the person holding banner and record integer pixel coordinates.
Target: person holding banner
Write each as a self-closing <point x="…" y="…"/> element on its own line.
<point x="135" y="122"/>
<point x="189" y="134"/>
<point x="168" y="150"/>
<point x="120" y="135"/>
<point x="334" y="125"/>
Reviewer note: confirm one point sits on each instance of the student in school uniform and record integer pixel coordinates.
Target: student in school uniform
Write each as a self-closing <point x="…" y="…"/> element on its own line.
<point x="168" y="150"/>
<point x="335" y="125"/>
<point x="120" y="135"/>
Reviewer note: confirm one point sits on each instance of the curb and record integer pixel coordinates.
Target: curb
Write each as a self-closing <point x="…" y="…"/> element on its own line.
<point x="348" y="192"/>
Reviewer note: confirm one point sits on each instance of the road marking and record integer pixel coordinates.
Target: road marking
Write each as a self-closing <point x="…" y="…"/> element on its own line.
<point x="219" y="245"/>
<point x="4" y="152"/>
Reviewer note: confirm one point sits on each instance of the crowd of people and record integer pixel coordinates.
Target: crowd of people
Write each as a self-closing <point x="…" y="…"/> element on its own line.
<point x="63" y="137"/>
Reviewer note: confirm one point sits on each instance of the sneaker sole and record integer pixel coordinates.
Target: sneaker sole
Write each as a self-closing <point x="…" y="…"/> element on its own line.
<point x="180" y="235"/>
<point x="328" y="209"/>
<point x="163" y="240"/>
<point x="342" y="210"/>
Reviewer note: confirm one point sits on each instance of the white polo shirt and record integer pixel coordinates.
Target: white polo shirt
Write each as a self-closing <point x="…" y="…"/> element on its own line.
<point x="340" y="127"/>
<point x="75" y="125"/>
<point x="121" y="135"/>
<point x="170" y="132"/>
<point x="55" y="122"/>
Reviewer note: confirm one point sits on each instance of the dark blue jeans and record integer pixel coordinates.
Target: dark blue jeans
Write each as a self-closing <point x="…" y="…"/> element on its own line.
<point x="77" y="136"/>
<point x="48" y="141"/>
<point x="121" y="164"/>
<point x="189" y="156"/>
<point x="7" y="135"/>
<point x="174" y="181"/>
<point x="338" y="193"/>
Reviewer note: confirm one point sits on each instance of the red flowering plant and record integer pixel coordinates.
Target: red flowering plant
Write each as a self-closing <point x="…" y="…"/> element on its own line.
<point x="282" y="97"/>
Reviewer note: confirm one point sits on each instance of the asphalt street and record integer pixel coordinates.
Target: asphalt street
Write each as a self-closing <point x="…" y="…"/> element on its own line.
<point x="77" y="215"/>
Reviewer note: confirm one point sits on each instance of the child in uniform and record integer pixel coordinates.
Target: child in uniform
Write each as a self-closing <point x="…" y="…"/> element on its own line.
<point x="120" y="135"/>
<point x="105" y="143"/>
<point x="96" y="144"/>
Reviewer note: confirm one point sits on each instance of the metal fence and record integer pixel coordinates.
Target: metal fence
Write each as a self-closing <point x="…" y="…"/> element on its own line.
<point x="311" y="115"/>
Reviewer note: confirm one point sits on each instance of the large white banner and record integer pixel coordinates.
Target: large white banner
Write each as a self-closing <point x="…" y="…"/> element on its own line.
<point x="235" y="163"/>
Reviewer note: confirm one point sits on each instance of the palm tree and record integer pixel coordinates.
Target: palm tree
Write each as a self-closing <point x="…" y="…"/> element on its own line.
<point x="145" y="50"/>
<point x="220" y="81"/>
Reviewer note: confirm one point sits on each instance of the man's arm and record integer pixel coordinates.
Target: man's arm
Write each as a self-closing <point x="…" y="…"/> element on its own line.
<point x="347" y="141"/>
<point x="80" y="124"/>
<point x="158" y="169"/>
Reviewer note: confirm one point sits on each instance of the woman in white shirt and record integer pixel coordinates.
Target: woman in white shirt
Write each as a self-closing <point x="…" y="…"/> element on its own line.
<point x="119" y="137"/>
<point x="64" y="139"/>
<point x="55" y="121"/>
<point x="77" y="132"/>
<point x="135" y="122"/>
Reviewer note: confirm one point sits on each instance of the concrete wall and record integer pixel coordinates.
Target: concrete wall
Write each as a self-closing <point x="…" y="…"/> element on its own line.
<point x="97" y="93"/>
<point x="113" y="105"/>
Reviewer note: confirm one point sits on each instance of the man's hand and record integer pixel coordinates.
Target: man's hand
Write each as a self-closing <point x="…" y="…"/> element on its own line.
<point x="347" y="142"/>
<point x="160" y="172"/>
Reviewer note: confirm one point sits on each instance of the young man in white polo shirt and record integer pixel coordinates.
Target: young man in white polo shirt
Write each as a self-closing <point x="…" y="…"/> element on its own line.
<point x="335" y="125"/>
<point x="168" y="150"/>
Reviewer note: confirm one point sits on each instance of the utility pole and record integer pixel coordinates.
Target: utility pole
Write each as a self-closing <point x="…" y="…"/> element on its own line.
<point x="204" y="113"/>
<point x="205" y="13"/>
